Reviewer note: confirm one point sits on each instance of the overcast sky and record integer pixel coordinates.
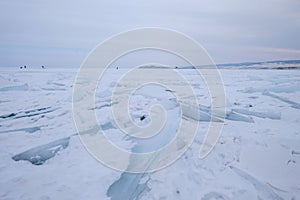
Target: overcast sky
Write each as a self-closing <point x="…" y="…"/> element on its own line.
<point x="61" y="33"/>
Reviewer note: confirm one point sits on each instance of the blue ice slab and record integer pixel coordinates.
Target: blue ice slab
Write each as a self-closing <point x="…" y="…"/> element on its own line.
<point x="264" y="191"/>
<point x="291" y="88"/>
<point x="23" y="87"/>
<point x="237" y="117"/>
<point x="292" y="103"/>
<point x="128" y="187"/>
<point x="28" y="113"/>
<point x="270" y="115"/>
<point x="214" y="195"/>
<point x="28" y="130"/>
<point x="38" y="155"/>
<point x="206" y="115"/>
<point x="54" y="89"/>
<point x="107" y="126"/>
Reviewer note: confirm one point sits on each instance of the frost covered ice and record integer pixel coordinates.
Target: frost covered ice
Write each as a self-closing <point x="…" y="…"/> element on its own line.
<point x="256" y="157"/>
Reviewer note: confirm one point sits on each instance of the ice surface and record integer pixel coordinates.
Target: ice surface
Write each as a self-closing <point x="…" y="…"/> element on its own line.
<point x="129" y="185"/>
<point x="260" y="139"/>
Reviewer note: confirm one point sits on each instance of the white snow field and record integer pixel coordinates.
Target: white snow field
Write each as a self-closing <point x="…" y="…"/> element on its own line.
<point x="256" y="157"/>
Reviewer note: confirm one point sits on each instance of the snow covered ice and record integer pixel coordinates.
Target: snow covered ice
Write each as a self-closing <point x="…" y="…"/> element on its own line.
<point x="256" y="157"/>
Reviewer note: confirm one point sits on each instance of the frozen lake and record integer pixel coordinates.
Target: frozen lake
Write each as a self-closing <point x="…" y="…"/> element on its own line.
<point x="256" y="157"/>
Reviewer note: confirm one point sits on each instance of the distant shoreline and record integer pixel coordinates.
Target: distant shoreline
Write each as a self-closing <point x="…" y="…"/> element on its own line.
<point x="276" y="64"/>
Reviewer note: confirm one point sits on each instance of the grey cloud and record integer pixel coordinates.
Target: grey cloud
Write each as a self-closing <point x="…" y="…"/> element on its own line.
<point x="228" y="29"/>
